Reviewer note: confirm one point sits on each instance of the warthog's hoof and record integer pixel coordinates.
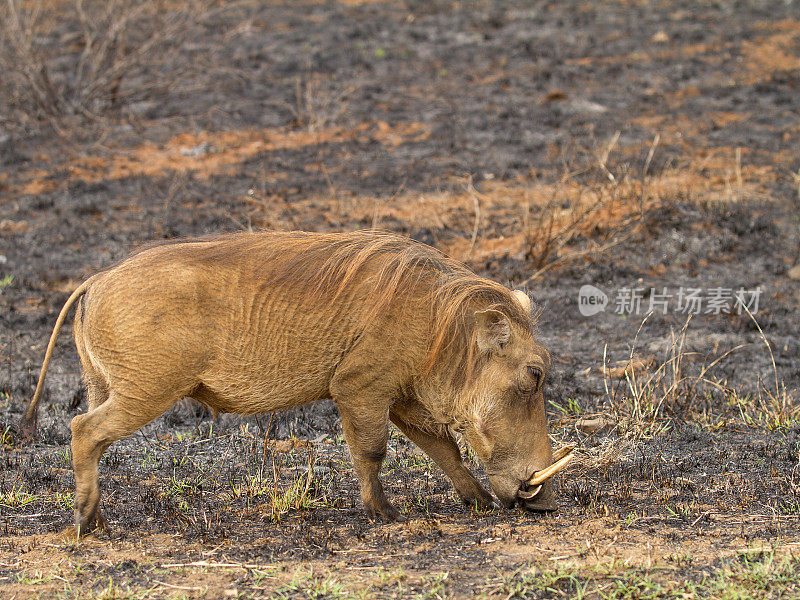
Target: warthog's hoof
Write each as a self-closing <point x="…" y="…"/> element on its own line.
<point x="481" y="502"/>
<point x="84" y="526"/>
<point x="387" y="514"/>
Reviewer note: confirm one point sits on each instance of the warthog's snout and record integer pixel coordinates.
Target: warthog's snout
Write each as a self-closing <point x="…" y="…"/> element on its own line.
<point x="537" y="492"/>
<point x="540" y="498"/>
<point x="513" y="492"/>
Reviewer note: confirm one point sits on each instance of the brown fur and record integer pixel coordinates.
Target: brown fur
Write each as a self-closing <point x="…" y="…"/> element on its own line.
<point x="251" y="323"/>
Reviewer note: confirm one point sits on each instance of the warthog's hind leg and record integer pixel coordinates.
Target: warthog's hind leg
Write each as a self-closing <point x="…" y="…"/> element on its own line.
<point x="96" y="388"/>
<point x="444" y="451"/>
<point x="92" y="434"/>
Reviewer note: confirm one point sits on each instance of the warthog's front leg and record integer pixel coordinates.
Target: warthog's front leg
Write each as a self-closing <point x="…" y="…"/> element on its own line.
<point x="366" y="429"/>
<point x="443" y="450"/>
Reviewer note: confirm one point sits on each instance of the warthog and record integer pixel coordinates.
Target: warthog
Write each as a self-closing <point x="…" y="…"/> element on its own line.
<point x="253" y="322"/>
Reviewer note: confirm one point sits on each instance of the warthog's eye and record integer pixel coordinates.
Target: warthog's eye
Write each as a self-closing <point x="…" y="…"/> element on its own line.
<point x="537" y="375"/>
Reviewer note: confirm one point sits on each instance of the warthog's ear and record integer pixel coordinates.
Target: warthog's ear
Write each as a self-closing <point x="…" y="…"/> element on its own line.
<point x="523" y="299"/>
<point x="494" y="330"/>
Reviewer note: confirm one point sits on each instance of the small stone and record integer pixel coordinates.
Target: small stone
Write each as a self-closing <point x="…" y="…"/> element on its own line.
<point x="660" y="37"/>
<point x="199" y="150"/>
<point x="628" y="368"/>
<point x="794" y="273"/>
<point x="593" y="425"/>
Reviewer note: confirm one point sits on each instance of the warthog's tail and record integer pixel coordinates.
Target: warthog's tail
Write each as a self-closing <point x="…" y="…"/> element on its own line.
<point x="27" y="425"/>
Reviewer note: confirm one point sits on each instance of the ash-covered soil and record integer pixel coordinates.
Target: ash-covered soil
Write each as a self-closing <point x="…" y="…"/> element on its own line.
<point x="550" y="145"/>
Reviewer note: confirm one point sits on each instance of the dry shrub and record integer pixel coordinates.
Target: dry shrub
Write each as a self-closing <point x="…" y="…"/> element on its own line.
<point x="602" y="214"/>
<point x="602" y="204"/>
<point x="545" y="224"/>
<point x="586" y="212"/>
<point x="319" y="102"/>
<point x="82" y="57"/>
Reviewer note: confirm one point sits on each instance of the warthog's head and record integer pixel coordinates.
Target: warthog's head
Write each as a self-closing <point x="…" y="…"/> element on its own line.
<point x="506" y="425"/>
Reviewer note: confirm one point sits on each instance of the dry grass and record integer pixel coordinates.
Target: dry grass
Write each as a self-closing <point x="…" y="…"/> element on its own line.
<point x="553" y="223"/>
<point x="673" y="388"/>
<point x="645" y="396"/>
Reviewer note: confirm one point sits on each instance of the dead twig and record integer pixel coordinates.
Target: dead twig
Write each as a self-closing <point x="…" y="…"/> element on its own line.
<point x="477" y="207"/>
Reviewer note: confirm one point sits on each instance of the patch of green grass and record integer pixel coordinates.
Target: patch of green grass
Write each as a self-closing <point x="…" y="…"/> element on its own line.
<point x="302" y="494"/>
<point x="16" y="497"/>
<point x="766" y="411"/>
<point x="750" y="576"/>
<point x="646" y="393"/>
<point x="110" y="591"/>
<point x="65" y="457"/>
<point x="64" y="500"/>
<point x="757" y="575"/>
<point x="264" y="574"/>
<point x="34" y="579"/>
<point x="181" y="489"/>
<point x="406" y="461"/>
<point x="434" y="587"/>
<point x="184" y="436"/>
<point x="683" y="511"/>
<point x="568" y="407"/>
<point x="148" y="461"/>
<point x="533" y="582"/>
<point x="392" y="576"/>
<point x="5" y="437"/>
<point x="252" y="485"/>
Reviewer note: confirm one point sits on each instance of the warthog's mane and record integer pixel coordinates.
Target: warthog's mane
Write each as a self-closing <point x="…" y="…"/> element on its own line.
<point x="394" y="266"/>
<point x="398" y="265"/>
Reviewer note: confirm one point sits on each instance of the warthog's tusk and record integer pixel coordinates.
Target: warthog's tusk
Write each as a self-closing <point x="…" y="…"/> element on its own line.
<point x="563" y="451"/>
<point x="545" y="474"/>
<point x="529" y="494"/>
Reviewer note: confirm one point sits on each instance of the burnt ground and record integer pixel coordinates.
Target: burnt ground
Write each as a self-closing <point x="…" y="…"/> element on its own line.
<point x="550" y="145"/>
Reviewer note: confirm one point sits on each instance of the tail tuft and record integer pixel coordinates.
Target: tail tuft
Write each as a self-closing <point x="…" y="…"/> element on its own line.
<point x="27" y="427"/>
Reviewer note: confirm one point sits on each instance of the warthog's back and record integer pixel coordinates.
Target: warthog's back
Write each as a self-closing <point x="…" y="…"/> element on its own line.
<point x="246" y="323"/>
